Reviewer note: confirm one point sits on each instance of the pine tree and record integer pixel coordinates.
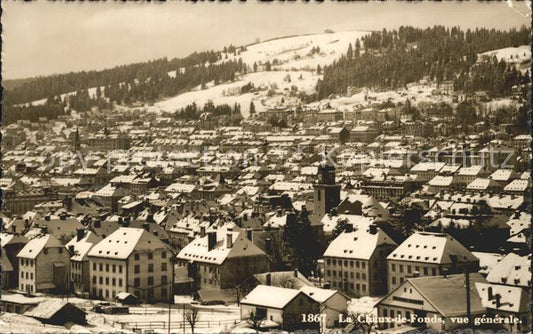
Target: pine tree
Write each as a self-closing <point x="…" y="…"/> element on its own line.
<point x="252" y="108"/>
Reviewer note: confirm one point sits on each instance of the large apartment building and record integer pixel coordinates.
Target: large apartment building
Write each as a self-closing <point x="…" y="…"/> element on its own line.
<point x="131" y="260"/>
<point x="428" y="254"/>
<point x="356" y="261"/>
<point x="222" y="259"/>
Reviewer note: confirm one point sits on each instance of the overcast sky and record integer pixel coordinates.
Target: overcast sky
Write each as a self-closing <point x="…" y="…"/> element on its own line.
<point x="45" y="38"/>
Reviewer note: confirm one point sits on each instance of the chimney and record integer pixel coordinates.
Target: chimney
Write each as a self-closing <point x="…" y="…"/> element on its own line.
<point x="150" y="218"/>
<point x="44" y="229"/>
<point x="250" y="235"/>
<point x="268" y="279"/>
<point x="295" y="272"/>
<point x="498" y="298"/>
<point x="211" y="240"/>
<point x="97" y="224"/>
<point x="202" y="231"/>
<point x="146" y="226"/>
<point x="491" y="295"/>
<point x="47" y="218"/>
<point x="268" y="245"/>
<point x="80" y="233"/>
<point x="372" y="229"/>
<point x="71" y="250"/>
<point x="445" y="272"/>
<point x="120" y="221"/>
<point x="63" y="216"/>
<point x="416" y="274"/>
<point x="245" y="217"/>
<point x="229" y="240"/>
<point x="349" y="227"/>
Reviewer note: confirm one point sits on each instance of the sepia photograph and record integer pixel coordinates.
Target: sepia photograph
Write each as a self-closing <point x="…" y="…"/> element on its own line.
<point x="265" y="166"/>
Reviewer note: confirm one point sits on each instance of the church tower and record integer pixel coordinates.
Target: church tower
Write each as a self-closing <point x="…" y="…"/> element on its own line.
<point x="327" y="192"/>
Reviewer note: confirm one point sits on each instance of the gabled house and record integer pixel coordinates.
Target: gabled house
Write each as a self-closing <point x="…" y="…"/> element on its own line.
<point x="44" y="265"/>
<point x="431" y="302"/>
<point x="271" y="306"/>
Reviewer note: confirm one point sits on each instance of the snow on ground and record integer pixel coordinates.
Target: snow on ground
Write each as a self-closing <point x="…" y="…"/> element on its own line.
<point x="294" y="52"/>
<point x="362" y="305"/>
<point x="518" y="54"/>
<point x="229" y="93"/>
<point x="16" y="323"/>
<point x="415" y="93"/>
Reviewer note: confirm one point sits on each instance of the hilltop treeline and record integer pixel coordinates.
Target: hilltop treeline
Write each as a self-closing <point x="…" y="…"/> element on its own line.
<point x="391" y="59"/>
<point x="147" y="83"/>
<point x="26" y="90"/>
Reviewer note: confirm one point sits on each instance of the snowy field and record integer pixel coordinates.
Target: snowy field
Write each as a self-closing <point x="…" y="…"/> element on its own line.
<point x="295" y="52"/>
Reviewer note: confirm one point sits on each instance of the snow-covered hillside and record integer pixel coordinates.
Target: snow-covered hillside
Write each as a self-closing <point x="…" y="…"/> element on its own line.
<point x="296" y="52"/>
<point x="295" y="57"/>
<point x="511" y="55"/>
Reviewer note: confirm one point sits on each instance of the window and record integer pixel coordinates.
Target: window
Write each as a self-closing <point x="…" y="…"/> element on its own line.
<point x="137" y="269"/>
<point x="114" y="268"/>
<point x="401" y="268"/>
<point x="150" y="256"/>
<point x="137" y="281"/>
<point x="107" y="280"/>
<point x="136" y="256"/>
<point x="31" y="275"/>
<point x="101" y="266"/>
<point x="163" y="280"/>
<point x="408" y="269"/>
<point x="94" y="266"/>
<point x="357" y="275"/>
<point x="94" y="281"/>
<point x="433" y="271"/>
<point x="357" y="286"/>
<point x="150" y="268"/>
<point x="113" y="281"/>
<point x="22" y="262"/>
<point x="393" y="267"/>
<point x="164" y="256"/>
<point x="120" y="282"/>
<point x="45" y="251"/>
<point x="120" y="269"/>
<point x="385" y="313"/>
<point x="363" y="264"/>
<point x="363" y="276"/>
<point x="101" y="280"/>
<point x="328" y="262"/>
<point x="357" y="264"/>
<point x="393" y="280"/>
<point x="364" y="287"/>
<point x="150" y="280"/>
<point x="107" y="267"/>
<point x="60" y="250"/>
<point x="163" y="266"/>
<point x="425" y="271"/>
<point x="328" y="272"/>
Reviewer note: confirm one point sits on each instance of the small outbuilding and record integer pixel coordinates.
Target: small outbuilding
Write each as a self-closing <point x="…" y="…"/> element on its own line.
<point x="127" y="298"/>
<point x="57" y="312"/>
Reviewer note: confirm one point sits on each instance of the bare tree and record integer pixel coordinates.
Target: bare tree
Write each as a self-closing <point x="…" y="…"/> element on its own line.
<point x="191" y="316"/>
<point x="364" y="326"/>
<point x="254" y="321"/>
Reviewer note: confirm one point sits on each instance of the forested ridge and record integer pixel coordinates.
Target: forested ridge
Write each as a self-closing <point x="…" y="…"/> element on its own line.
<point x="392" y="59"/>
<point x="142" y="82"/>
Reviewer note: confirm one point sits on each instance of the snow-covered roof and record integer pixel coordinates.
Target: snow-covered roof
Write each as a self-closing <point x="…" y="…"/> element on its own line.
<point x="124" y="241"/>
<point x="429" y="247"/>
<point x="359" y="244"/>
<point x="35" y="246"/>
<point x="270" y="296"/>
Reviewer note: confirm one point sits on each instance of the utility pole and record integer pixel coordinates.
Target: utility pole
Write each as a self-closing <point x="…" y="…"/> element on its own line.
<point x="467" y="284"/>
